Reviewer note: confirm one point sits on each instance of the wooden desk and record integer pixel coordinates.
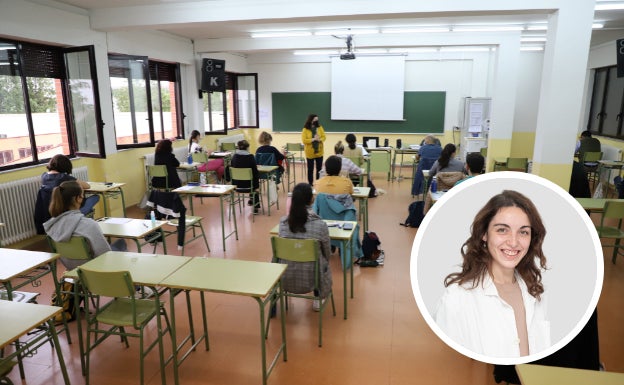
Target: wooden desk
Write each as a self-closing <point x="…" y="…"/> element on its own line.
<point x="361" y="194"/>
<point x="222" y="191"/>
<point x="17" y="319"/>
<point x="108" y="190"/>
<point x="402" y="152"/>
<point x="145" y="270"/>
<point x="337" y="233"/>
<point x="28" y="267"/>
<point x="258" y="280"/>
<point x="548" y="375"/>
<point x="130" y="228"/>
<point x="265" y="173"/>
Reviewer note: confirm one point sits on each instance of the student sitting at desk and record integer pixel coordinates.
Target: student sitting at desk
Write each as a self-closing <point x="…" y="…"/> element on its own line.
<point x="164" y="156"/>
<point x="216" y="165"/>
<point x="265" y="140"/>
<point x="348" y="167"/>
<point x="333" y="183"/>
<point x="446" y="162"/>
<point x="67" y="221"/>
<point x="302" y="223"/>
<point x="59" y="171"/>
<point x="243" y="159"/>
<point x="353" y="150"/>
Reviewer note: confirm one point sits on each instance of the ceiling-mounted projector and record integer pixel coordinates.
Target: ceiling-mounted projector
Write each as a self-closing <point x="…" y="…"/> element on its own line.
<point x="347" y="56"/>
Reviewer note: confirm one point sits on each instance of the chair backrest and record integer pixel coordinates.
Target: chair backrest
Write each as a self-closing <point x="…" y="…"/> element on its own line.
<point x="517" y="164"/>
<point x="613" y="210"/>
<point x="296" y="250"/>
<point x="107" y="283"/>
<point x="76" y="248"/>
<point x="241" y="174"/>
<point x="589" y="145"/>
<point x="292" y="147"/>
<point x="483" y="151"/>
<point x="591" y="156"/>
<point x="200" y="157"/>
<point x="157" y="171"/>
<point x="228" y="146"/>
<point x="266" y="159"/>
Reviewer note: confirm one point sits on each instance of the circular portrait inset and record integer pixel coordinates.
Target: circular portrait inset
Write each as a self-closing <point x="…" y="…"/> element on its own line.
<point x="506" y="268"/>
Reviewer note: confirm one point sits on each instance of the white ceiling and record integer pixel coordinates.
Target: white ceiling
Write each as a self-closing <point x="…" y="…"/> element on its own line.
<point x="232" y="21"/>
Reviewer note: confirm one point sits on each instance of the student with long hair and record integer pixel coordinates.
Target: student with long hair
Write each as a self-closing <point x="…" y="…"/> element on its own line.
<point x="217" y="164"/>
<point x="67" y="221"/>
<point x="495" y="305"/>
<point x="302" y="223"/>
<point x="313" y="137"/>
<point x="163" y="155"/>
<point x="447" y="161"/>
<point x="59" y="170"/>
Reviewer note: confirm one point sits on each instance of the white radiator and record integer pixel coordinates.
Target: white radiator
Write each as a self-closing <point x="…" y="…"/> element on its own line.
<point x="17" y="207"/>
<point x="230" y="139"/>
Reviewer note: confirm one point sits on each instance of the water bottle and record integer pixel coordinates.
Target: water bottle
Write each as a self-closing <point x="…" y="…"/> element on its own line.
<point x="434" y="185"/>
<point x="153" y="218"/>
<point x="189" y="159"/>
<point x="202" y="178"/>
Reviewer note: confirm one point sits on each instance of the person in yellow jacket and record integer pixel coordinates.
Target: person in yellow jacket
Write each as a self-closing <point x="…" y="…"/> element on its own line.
<point x="313" y="136"/>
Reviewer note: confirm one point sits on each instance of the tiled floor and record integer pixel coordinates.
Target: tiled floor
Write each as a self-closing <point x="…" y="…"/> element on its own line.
<point x="385" y="341"/>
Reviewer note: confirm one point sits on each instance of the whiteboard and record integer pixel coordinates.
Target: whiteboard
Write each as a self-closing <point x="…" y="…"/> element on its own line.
<point x="368" y="88"/>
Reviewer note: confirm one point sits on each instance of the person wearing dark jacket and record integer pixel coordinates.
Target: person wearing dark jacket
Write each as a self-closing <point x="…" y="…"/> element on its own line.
<point x="164" y="156"/>
<point x="243" y="159"/>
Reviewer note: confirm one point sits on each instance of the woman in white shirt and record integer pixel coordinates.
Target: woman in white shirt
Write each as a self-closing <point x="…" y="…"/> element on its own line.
<point x="217" y="165"/>
<point x="495" y="306"/>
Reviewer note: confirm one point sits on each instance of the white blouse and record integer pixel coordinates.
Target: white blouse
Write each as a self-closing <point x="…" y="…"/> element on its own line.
<point x="481" y="321"/>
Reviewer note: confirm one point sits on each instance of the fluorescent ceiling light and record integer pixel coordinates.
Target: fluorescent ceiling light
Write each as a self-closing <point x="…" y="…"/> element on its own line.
<point x="316" y="52"/>
<point x="280" y="34"/>
<point x="415" y="30"/>
<point x="608" y="6"/>
<point x="531" y="48"/>
<point x="346" y="31"/>
<point x="537" y="27"/>
<point x="371" y="51"/>
<point x="597" y="25"/>
<point x="500" y="28"/>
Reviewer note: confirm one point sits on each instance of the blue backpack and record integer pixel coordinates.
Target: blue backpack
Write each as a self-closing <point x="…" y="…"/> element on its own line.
<point x="415" y="214"/>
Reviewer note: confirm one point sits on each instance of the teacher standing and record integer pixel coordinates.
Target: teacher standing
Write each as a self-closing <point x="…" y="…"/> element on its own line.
<point x="313" y="136"/>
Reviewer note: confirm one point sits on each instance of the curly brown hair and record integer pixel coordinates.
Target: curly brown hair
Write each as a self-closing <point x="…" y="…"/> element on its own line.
<point x="477" y="257"/>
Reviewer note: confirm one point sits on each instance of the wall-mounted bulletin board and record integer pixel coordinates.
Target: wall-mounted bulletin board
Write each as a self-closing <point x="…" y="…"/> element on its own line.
<point x="423" y="112"/>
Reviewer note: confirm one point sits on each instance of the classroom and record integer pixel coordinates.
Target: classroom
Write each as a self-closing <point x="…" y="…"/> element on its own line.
<point x="542" y="68"/>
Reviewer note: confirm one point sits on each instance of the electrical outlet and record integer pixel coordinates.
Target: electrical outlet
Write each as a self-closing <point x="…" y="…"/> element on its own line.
<point x="456" y="128"/>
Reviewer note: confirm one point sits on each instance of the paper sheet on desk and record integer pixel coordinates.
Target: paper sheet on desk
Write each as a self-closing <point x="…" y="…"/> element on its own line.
<point x="187" y="187"/>
<point x="117" y="221"/>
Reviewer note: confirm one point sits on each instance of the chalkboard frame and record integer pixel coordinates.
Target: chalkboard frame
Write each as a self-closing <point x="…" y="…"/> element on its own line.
<point x="423" y="112"/>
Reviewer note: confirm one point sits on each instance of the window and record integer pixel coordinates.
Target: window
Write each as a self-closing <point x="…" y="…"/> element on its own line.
<point x="606" y="109"/>
<point x="46" y="96"/>
<point x="237" y="107"/>
<point x="146" y="100"/>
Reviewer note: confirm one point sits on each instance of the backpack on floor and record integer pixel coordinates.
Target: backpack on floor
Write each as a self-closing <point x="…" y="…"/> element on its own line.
<point x="373" y="190"/>
<point x="415" y="214"/>
<point x="373" y="255"/>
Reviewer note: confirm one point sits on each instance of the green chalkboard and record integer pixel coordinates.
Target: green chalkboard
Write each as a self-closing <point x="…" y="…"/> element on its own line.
<point x="423" y="113"/>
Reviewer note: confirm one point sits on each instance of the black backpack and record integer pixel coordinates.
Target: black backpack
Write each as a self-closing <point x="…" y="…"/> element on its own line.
<point x="373" y="190"/>
<point x="415" y="214"/>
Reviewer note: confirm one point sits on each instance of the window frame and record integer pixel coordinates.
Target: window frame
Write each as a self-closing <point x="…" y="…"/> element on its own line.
<point x="600" y="89"/>
<point x="231" y="87"/>
<point x="59" y="55"/>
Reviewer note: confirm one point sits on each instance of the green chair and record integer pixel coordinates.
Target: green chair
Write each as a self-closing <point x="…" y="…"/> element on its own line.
<point x="613" y="210"/>
<point x="5" y="369"/>
<point x="126" y="316"/>
<point x="243" y="193"/>
<point x="589" y="160"/>
<point x="379" y="161"/>
<point x="299" y="280"/>
<point x="517" y="164"/>
<point x="228" y="146"/>
<point x="294" y="148"/>
<point x="154" y="171"/>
